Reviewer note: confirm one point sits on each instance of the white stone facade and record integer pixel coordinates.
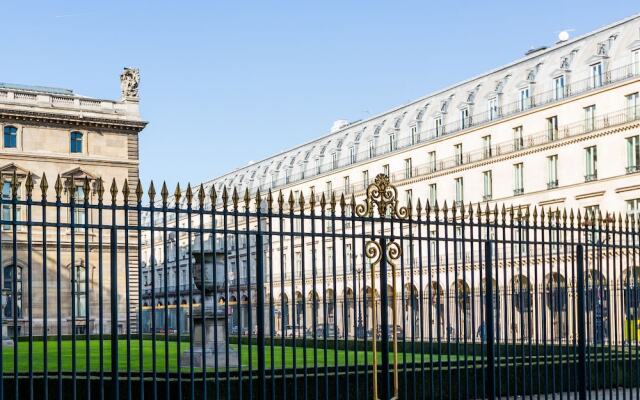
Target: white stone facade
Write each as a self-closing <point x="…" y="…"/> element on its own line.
<point x="556" y="129"/>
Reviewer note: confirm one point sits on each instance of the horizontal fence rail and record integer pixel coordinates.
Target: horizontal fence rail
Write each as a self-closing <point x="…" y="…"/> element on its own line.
<point x="110" y="292"/>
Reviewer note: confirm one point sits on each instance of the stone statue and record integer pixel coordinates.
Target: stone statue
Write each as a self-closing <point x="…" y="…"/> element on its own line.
<point x="129" y="82"/>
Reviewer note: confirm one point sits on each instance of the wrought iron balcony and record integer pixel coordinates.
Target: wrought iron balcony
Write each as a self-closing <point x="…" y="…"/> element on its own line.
<point x="552" y="184"/>
<point x="518" y="191"/>
<point x="591" y="177"/>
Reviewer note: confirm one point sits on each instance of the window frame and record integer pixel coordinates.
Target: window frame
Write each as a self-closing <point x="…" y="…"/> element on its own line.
<point x="73" y="142"/>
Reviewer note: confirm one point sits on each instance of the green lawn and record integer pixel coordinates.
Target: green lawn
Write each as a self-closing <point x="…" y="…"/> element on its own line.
<point x="147" y="351"/>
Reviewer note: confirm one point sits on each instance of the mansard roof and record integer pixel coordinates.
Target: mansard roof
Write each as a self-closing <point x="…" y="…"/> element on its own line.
<point x="610" y="44"/>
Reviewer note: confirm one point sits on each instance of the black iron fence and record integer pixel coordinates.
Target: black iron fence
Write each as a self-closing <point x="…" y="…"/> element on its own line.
<point x="107" y="293"/>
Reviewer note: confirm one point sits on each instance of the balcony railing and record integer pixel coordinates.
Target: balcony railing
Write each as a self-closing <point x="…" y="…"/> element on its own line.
<point x="518" y="191"/>
<point x="552" y="184"/>
<point x="632" y="168"/>
<point x="539" y="99"/>
<point x="591" y="177"/>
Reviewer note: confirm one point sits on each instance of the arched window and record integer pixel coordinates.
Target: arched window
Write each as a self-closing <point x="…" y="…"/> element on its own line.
<point x="10" y="137"/>
<point x="12" y="298"/>
<point x="76" y="142"/>
<point x="79" y="286"/>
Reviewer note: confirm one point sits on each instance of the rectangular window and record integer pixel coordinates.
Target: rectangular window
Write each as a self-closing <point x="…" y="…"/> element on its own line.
<point x="457" y="149"/>
<point x="385" y="169"/>
<point x="347" y="185"/>
<point x="633" y="154"/>
<point x="408" y="169"/>
<point x="633" y="107"/>
<point x="392" y="141"/>
<point x="524" y="101"/>
<point x="590" y="118"/>
<point x="329" y="188"/>
<point x="365" y="178"/>
<point x="439" y="127"/>
<point x="334" y="160"/>
<point x="407" y="196"/>
<point x="558" y="87"/>
<point x="352" y="154"/>
<point x="486" y="146"/>
<point x="518" y="179"/>
<point x="433" y="193"/>
<point x="459" y="191"/>
<point x="464" y="118"/>
<point x="552" y="171"/>
<point x="552" y="128"/>
<point x="591" y="163"/>
<point x="10" y="137"/>
<point x="79" y="211"/>
<point x="372" y="149"/>
<point x="487" y="186"/>
<point x="76" y="142"/>
<point x="493" y="108"/>
<point x="592" y="211"/>
<point x="596" y="75"/>
<point x="518" y="140"/>
<point x="318" y="166"/>
<point x="635" y="62"/>
<point x="432" y="161"/>
<point x="633" y="208"/>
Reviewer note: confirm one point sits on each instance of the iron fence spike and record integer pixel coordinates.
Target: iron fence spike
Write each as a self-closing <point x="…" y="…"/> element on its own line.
<point x="125" y="190"/>
<point x="58" y="186"/>
<point x="151" y="192"/>
<point x="28" y="184"/>
<point x="44" y="186"/>
<point x="139" y="191"/>
<point x="114" y="191"/>
<point x="189" y="195"/>
<point x="164" y="193"/>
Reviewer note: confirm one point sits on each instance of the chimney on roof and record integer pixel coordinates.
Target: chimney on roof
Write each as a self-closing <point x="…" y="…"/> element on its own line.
<point x="339" y="124"/>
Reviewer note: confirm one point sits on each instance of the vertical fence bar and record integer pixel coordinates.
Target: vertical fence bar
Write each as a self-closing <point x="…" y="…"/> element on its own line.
<point x="384" y="317"/>
<point x="488" y="265"/>
<point x="582" y="365"/>
<point x="260" y="312"/>
<point x="114" y="307"/>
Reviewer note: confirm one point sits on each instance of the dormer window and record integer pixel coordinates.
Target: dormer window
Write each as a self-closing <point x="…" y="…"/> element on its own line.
<point x="439" y="127"/>
<point x="493" y="108"/>
<point x="10" y="137"/>
<point x="558" y="87"/>
<point x="524" y="101"/>
<point x="76" y="142"/>
<point x="392" y="141"/>
<point x="596" y="75"/>
<point x="464" y="118"/>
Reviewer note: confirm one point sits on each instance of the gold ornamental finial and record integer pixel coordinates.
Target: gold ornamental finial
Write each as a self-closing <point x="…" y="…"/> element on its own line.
<point x="383" y="196"/>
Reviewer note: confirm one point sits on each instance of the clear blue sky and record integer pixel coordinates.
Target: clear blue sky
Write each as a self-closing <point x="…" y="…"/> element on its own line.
<point x="225" y="84"/>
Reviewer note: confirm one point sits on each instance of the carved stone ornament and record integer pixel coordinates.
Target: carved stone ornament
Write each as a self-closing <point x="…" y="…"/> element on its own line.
<point x="129" y="82"/>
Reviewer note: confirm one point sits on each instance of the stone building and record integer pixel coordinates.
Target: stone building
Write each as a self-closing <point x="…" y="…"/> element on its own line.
<point x="51" y="132"/>
<point x="557" y="128"/>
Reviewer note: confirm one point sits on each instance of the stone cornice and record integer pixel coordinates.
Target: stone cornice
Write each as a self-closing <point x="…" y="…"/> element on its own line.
<point x="38" y="117"/>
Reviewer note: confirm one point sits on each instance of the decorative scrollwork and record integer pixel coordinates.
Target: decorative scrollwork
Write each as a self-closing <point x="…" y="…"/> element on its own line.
<point x="373" y="252"/>
<point x="393" y="252"/>
<point x="385" y="196"/>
